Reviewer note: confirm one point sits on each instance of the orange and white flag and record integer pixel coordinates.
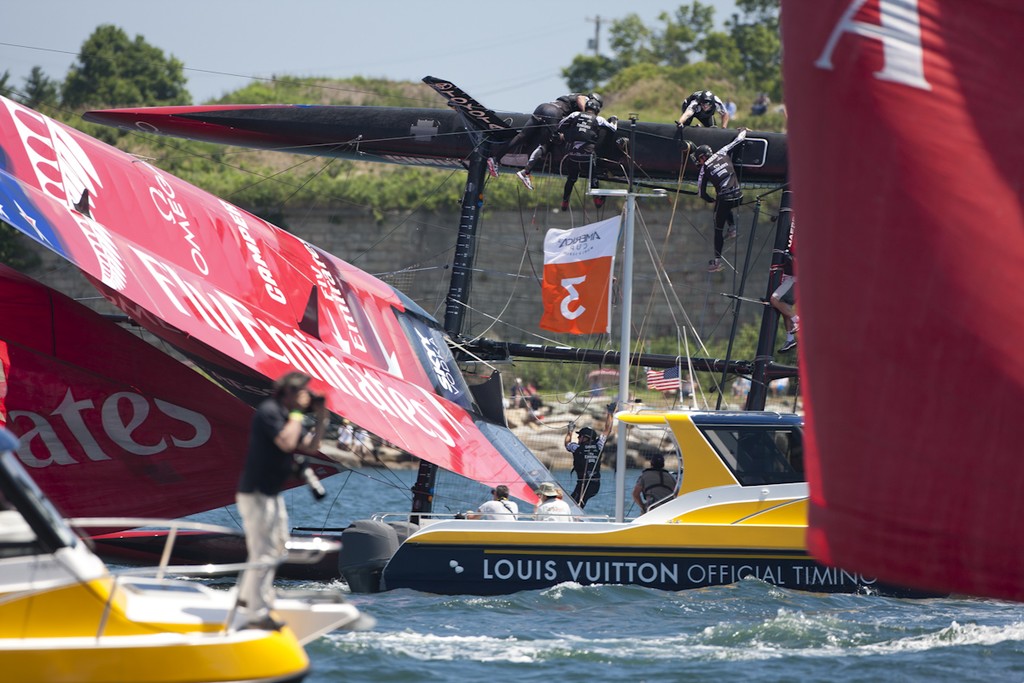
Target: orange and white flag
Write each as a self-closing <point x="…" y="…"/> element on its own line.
<point x="578" y="277"/>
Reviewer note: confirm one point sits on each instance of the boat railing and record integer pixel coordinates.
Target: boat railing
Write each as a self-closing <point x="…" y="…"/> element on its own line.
<point x="305" y="550"/>
<point x="299" y="549"/>
<point x="431" y="517"/>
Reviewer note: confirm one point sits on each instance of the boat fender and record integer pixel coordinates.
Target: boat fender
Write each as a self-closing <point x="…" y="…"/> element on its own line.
<point x="366" y="546"/>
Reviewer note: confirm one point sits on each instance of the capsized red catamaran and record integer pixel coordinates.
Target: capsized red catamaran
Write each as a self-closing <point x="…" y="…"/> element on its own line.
<point x="248" y="301"/>
<point x="907" y="171"/>
<point x="111" y="426"/>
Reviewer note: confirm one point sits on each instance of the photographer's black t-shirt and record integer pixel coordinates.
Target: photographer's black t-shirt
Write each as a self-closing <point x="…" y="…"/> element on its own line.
<point x="267" y="467"/>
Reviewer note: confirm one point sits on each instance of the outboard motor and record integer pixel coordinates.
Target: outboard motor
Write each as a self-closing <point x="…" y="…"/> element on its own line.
<point x="404" y="530"/>
<point x="366" y="546"/>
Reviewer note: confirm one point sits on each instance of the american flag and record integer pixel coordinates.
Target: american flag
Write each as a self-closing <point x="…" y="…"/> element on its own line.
<point x="663" y="380"/>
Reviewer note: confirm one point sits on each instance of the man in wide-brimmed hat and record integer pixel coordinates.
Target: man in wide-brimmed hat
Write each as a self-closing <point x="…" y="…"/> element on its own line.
<point x="551" y="507"/>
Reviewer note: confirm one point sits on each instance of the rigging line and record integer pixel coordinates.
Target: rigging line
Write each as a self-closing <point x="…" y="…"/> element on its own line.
<point x="670" y="294"/>
<point x="270" y="79"/>
<point x="780" y="188"/>
<point x="658" y="268"/>
<point x="524" y="331"/>
<point x="403" y="271"/>
<point x="512" y="293"/>
<point x="275" y="177"/>
<point x="305" y="183"/>
<point x="390" y="477"/>
<point x="461" y="346"/>
<point x="408" y="215"/>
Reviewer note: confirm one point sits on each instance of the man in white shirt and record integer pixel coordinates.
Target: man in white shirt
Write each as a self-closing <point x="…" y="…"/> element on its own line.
<point x="551" y="507"/>
<point x="499" y="508"/>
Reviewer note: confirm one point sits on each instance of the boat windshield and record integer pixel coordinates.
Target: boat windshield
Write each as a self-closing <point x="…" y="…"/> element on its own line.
<point x="759" y="455"/>
<point x="37" y="521"/>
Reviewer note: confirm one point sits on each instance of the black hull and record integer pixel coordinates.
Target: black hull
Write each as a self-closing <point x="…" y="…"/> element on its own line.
<point x="437" y="138"/>
<point x="496" y="570"/>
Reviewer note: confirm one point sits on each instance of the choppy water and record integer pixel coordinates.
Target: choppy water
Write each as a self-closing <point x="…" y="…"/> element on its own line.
<point x="750" y="632"/>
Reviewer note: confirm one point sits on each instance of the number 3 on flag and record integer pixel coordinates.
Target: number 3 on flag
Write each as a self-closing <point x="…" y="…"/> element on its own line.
<point x="572" y="296"/>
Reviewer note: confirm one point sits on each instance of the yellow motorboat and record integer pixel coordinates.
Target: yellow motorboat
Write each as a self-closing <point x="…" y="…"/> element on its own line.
<point x="740" y="511"/>
<point x="66" y="617"/>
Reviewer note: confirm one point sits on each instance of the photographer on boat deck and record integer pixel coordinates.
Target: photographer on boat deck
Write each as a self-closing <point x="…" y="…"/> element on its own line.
<point x="279" y="435"/>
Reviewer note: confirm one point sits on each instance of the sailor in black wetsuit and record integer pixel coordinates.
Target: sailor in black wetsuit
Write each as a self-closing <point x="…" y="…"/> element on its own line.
<point x="583" y="132"/>
<point x="586" y="460"/>
<point x="537" y="132"/>
<point x="717" y="167"/>
<point x="702" y="106"/>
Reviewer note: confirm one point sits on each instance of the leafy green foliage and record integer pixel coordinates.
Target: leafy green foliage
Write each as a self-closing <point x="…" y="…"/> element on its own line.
<point x="40" y="90"/>
<point x="114" y="71"/>
<point x="683" y="53"/>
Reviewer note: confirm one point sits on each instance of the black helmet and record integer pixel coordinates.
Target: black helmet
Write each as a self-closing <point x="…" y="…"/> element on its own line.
<point x="707" y="96"/>
<point x="702" y="151"/>
<point x="594" y="105"/>
<point x="588" y="433"/>
<point x="596" y="96"/>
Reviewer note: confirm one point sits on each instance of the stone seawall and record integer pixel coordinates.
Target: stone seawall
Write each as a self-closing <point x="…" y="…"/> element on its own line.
<point x="413" y="251"/>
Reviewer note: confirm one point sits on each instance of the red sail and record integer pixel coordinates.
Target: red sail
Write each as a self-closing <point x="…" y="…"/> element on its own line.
<point x="246" y="300"/>
<point x="906" y="165"/>
<point x="110" y="425"/>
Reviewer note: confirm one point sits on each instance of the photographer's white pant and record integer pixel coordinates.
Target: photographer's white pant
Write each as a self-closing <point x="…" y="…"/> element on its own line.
<point x="265" y="521"/>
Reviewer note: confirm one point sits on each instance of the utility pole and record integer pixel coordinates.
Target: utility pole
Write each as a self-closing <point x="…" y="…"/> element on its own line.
<point x="595" y="43"/>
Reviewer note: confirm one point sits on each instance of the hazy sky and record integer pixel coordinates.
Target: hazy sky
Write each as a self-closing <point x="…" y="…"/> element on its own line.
<point x="507" y="54"/>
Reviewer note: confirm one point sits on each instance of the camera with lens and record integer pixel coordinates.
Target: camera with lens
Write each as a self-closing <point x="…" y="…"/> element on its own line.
<point x="309" y="476"/>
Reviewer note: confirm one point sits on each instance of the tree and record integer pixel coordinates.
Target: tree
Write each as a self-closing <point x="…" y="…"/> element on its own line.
<point x="747" y="54"/>
<point x="756" y="34"/>
<point x="114" y="71"/>
<point x="5" y="87"/>
<point x="683" y="32"/>
<point x="40" y="90"/>
<point x="631" y="41"/>
<point x="586" y="71"/>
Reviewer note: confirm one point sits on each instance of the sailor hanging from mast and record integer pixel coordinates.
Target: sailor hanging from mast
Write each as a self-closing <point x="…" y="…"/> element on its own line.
<point x="717" y="167"/>
<point x="586" y="458"/>
<point x="584" y="133"/>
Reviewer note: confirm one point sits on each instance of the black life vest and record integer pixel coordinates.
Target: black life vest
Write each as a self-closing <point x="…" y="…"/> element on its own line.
<point x="587" y="461"/>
